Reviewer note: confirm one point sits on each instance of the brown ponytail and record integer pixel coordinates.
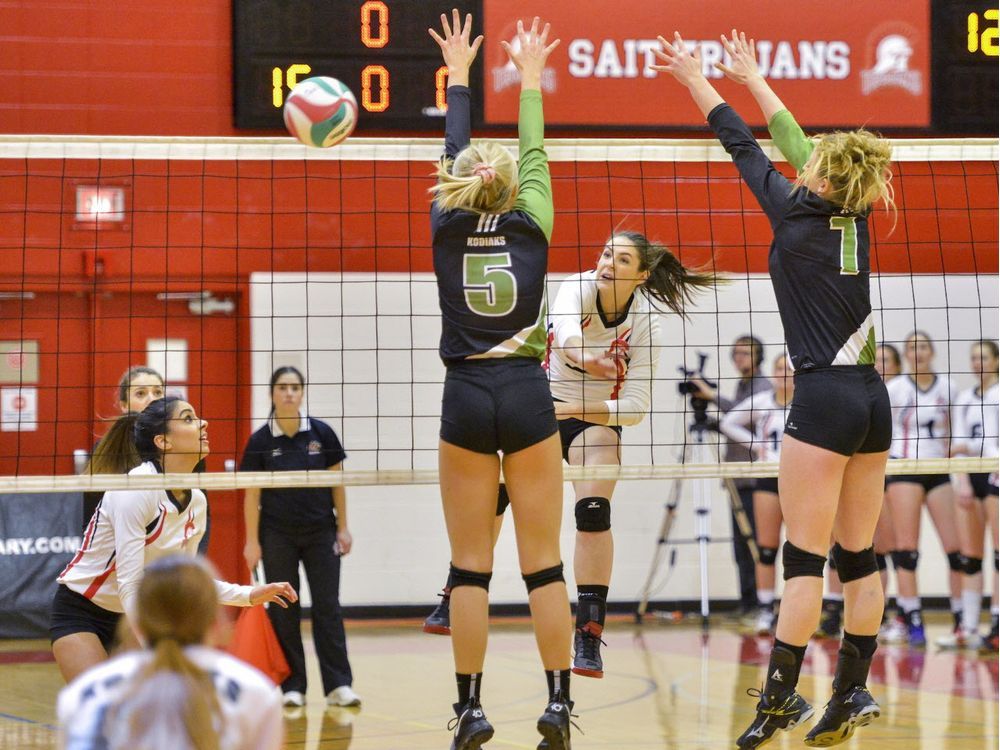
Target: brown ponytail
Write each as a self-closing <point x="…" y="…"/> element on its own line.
<point x="670" y="282"/>
<point x="172" y="702"/>
<point x="116" y="452"/>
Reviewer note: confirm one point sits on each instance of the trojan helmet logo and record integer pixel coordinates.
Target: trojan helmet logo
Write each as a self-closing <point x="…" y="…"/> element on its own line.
<point x="891" y="66"/>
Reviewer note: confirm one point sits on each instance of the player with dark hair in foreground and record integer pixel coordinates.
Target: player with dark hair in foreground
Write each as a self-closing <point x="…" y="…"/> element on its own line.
<point x="837" y="436"/>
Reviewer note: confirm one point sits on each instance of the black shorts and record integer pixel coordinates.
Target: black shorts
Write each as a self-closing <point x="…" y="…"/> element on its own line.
<point x="842" y="409"/>
<point x="927" y="481"/>
<point x="75" y="613"/>
<point x="570" y="428"/>
<point x="984" y="485"/>
<point x="766" y="484"/>
<point x="492" y="405"/>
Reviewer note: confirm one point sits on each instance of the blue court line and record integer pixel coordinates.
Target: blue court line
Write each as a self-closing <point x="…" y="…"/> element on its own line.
<point x="28" y="721"/>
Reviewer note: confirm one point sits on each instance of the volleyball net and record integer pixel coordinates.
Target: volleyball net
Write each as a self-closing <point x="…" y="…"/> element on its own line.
<point x="216" y="261"/>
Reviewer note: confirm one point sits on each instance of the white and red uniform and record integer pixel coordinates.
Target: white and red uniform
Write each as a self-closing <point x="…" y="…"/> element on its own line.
<point x="921" y="419"/>
<point x="634" y="337"/>
<point x="250" y="705"/>
<point x="976" y="423"/>
<point x="765" y="416"/>
<point x="130" y="529"/>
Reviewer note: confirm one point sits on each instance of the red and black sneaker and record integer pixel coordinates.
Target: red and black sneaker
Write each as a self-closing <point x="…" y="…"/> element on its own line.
<point x="439" y="621"/>
<point x="587" y="651"/>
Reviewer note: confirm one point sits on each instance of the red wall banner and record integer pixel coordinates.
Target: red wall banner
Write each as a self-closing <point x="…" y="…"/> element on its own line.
<point x="849" y="64"/>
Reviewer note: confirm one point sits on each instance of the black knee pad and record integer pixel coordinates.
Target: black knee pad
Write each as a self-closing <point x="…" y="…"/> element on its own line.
<point x="996" y="560"/>
<point x="905" y="559"/>
<point x="503" y="499"/>
<point x="956" y="561"/>
<point x="854" y="565"/>
<point x="593" y="514"/>
<point x="461" y="577"/>
<point x="973" y="566"/>
<point x="768" y="555"/>
<point x="831" y="560"/>
<point x="881" y="561"/>
<point x="799" y="563"/>
<point x="543" y="577"/>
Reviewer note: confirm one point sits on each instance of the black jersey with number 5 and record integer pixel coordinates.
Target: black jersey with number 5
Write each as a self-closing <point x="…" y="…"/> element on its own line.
<point x="819" y="259"/>
<point x="490" y="268"/>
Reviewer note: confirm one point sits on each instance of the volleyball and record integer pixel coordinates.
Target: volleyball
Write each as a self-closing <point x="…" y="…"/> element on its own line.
<point x="321" y="112"/>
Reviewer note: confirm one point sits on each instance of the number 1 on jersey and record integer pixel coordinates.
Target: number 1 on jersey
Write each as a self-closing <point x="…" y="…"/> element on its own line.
<point x="490" y="286"/>
<point x="848" y="243"/>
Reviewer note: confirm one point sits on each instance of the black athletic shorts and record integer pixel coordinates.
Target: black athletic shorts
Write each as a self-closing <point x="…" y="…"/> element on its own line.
<point x="75" y="613"/>
<point x="843" y="409"/>
<point x="766" y="484"/>
<point x="492" y="405"/>
<point x="984" y="485"/>
<point x="570" y="428"/>
<point x="927" y="481"/>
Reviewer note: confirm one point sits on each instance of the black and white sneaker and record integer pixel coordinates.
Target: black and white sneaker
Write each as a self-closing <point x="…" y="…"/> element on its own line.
<point x="784" y="712"/>
<point x="844" y="713"/>
<point x="439" y="621"/>
<point x="554" y="724"/>
<point x="472" y="730"/>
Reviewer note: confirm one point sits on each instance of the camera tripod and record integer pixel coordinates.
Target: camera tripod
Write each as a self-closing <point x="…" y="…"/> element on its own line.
<point x="697" y="450"/>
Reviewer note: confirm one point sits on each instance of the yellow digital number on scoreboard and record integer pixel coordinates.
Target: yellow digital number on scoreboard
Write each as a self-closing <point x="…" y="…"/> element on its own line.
<point x="985" y="40"/>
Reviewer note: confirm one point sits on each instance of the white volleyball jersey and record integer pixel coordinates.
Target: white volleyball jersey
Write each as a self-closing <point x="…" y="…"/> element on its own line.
<point x="249" y="702"/>
<point x="921" y="419"/>
<point x="757" y="423"/>
<point x="130" y="529"/>
<point x="976" y="423"/>
<point x="635" y="336"/>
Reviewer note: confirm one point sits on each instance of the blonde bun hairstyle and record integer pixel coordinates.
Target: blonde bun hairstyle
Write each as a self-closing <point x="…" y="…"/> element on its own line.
<point x="482" y="178"/>
<point x="856" y="163"/>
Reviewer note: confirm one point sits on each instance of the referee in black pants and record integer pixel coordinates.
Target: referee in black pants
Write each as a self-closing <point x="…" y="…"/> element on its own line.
<point x="285" y="527"/>
<point x="747" y="354"/>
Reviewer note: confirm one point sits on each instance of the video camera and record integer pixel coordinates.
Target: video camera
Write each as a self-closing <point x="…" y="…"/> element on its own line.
<point x="686" y="388"/>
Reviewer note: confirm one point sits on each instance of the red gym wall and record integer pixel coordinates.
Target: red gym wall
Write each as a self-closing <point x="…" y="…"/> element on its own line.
<point x="164" y="68"/>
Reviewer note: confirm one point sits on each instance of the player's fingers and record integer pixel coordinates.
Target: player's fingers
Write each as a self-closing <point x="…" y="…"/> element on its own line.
<point x="475" y="45"/>
<point x="467" y="28"/>
<point x="456" y="22"/>
<point x="552" y="46"/>
<point x="436" y="36"/>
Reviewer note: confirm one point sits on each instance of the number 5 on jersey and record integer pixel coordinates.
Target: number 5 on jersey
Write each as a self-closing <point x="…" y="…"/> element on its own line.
<point x="490" y="286"/>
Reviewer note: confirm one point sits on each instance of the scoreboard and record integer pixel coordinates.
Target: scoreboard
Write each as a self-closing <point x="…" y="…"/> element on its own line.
<point x="919" y="66"/>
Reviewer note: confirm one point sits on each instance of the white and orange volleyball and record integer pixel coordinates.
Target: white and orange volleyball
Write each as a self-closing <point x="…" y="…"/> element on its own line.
<point x="321" y="111"/>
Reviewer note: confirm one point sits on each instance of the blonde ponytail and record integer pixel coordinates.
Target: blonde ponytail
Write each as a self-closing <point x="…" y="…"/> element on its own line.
<point x="856" y="164"/>
<point x="482" y="178"/>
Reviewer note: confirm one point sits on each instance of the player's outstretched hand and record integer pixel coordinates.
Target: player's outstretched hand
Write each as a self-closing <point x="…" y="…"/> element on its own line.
<point x="279" y="593"/>
<point x="532" y="50"/>
<point x="458" y="52"/>
<point x="676" y="60"/>
<point x="743" y="56"/>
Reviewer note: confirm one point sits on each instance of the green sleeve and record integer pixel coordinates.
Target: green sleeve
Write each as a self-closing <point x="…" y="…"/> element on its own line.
<point x="535" y="186"/>
<point x="790" y="139"/>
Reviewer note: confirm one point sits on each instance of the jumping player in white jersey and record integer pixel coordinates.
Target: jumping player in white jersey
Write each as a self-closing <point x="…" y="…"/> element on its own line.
<point x="836" y="442"/>
<point x="922" y="401"/>
<point x="603" y="348"/>
<point x="130" y="529"/>
<point x="178" y="692"/>
<point x="758" y="423"/>
<point x="975" y="433"/>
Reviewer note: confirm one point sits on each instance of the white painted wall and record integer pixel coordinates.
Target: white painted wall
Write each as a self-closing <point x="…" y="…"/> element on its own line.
<point x="369" y="351"/>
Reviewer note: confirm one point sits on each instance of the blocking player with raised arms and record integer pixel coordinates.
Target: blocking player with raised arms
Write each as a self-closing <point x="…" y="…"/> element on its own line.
<point x="837" y="436"/>
<point x="922" y="401"/>
<point x="758" y="424"/>
<point x="130" y="529"/>
<point x="976" y="432"/>
<point x="604" y="345"/>
<point x="178" y="692"/>
<point x="490" y="222"/>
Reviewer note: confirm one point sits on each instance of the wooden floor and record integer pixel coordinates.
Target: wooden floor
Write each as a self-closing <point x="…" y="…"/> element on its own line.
<point x="665" y="687"/>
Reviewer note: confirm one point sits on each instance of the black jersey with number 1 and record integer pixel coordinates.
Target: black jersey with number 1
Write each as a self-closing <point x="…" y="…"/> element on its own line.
<point x="819" y="259"/>
<point x="490" y="268"/>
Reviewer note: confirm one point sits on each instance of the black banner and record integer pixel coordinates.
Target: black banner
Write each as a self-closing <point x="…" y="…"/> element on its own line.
<point x="38" y="536"/>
